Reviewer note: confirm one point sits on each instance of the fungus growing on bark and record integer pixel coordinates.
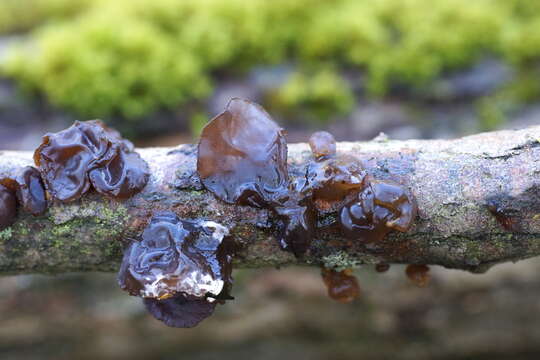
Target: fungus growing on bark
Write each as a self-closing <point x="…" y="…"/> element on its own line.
<point x="299" y="222"/>
<point x="242" y="156"/>
<point x="8" y="207"/>
<point x="31" y="191"/>
<point x="507" y="222"/>
<point x="342" y="286"/>
<point x="322" y="144"/>
<point x="88" y="153"/>
<point x="178" y="262"/>
<point x="418" y="274"/>
<point x="380" y="207"/>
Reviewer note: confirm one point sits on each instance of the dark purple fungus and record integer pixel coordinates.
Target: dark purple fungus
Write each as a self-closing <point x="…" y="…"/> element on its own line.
<point x="31" y="191"/>
<point x="180" y="267"/>
<point x="380" y="207"/>
<point x="180" y="311"/>
<point x="89" y="154"/>
<point x="8" y="207"/>
<point x="242" y="156"/>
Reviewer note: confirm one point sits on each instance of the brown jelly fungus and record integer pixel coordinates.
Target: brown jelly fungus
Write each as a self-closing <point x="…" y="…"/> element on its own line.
<point x="90" y="154"/>
<point x="507" y="222"/>
<point x="299" y="222"/>
<point x="242" y="156"/>
<point x="8" y="207"/>
<point x="334" y="180"/>
<point x="322" y="144"/>
<point x="342" y="286"/>
<point x="182" y="267"/>
<point x="380" y="207"/>
<point x="418" y="274"/>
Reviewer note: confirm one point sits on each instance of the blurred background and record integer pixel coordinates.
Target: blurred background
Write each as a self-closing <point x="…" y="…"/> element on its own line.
<point x="158" y="70"/>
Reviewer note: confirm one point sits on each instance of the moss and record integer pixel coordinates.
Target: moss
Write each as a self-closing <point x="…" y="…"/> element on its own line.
<point x="6" y="234"/>
<point x="340" y="261"/>
<point x="89" y="61"/>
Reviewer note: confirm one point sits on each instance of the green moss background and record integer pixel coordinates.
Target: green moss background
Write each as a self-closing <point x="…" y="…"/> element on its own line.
<point x="126" y="59"/>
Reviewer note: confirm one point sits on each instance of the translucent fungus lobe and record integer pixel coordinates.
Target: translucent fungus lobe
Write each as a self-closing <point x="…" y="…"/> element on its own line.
<point x="342" y="285"/>
<point x="242" y="156"/>
<point x="418" y="274"/>
<point x="88" y="153"/>
<point x="180" y="311"/>
<point x="380" y="207"/>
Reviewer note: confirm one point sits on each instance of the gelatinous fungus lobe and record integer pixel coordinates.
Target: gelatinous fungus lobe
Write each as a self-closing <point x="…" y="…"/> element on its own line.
<point x="31" y="191"/>
<point x="380" y="207"/>
<point x="89" y="154"/>
<point x="334" y="181"/>
<point x="175" y="262"/>
<point x="242" y="156"/>
<point x="342" y="286"/>
<point x="508" y="222"/>
<point x="418" y="274"/>
<point x="8" y="207"/>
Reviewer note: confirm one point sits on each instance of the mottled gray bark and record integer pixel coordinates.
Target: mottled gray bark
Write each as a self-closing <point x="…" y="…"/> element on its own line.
<point x="453" y="181"/>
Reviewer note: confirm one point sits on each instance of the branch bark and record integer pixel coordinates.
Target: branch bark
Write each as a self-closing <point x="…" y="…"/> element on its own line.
<point x="453" y="181"/>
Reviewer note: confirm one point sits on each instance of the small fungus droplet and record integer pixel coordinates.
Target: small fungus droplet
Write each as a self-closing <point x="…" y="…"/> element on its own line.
<point x="342" y="286"/>
<point x="380" y="207"/>
<point x="242" y="157"/>
<point x="382" y="267"/>
<point x="180" y="311"/>
<point x="322" y="144"/>
<point x="89" y="153"/>
<point x="8" y="207"/>
<point x="418" y="274"/>
<point x="507" y="222"/>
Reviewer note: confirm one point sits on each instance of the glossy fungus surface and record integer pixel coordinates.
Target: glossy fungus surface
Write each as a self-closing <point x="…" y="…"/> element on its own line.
<point x="8" y="207"/>
<point x="88" y="153"/>
<point x="418" y="274"/>
<point x="180" y="311"/>
<point x="242" y="156"/>
<point x="31" y="191"/>
<point x="299" y="222"/>
<point x="322" y="144"/>
<point x="334" y="181"/>
<point x="380" y="207"/>
<point x="342" y="286"/>
<point x="177" y="256"/>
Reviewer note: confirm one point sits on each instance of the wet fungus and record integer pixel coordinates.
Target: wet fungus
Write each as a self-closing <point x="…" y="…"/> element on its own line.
<point x="418" y="274"/>
<point x="89" y="154"/>
<point x="322" y="144"/>
<point x="178" y="267"/>
<point x="380" y="207"/>
<point x="242" y="156"/>
<point x="31" y="191"/>
<point x="342" y="286"/>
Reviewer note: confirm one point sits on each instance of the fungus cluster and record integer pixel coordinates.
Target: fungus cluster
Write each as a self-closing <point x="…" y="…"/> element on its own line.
<point x="25" y="190"/>
<point x="89" y="154"/>
<point x="342" y="286"/>
<point x="242" y="159"/>
<point x="179" y="267"/>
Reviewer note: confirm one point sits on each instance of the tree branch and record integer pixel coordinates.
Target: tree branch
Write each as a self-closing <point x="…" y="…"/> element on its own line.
<point x="454" y="181"/>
